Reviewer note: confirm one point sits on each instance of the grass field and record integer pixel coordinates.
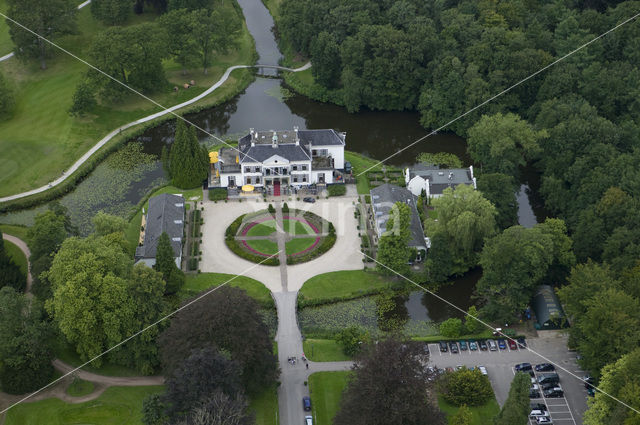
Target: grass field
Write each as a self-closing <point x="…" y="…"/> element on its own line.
<point x="17" y="231"/>
<point x="78" y="388"/>
<point x="264" y="246"/>
<point x="263" y="229"/>
<point x="41" y="139"/>
<point x="265" y="407"/>
<point x="323" y="350"/>
<point x="200" y="282"/>
<point x="298" y="245"/>
<point x="481" y="415"/>
<point x="360" y="163"/>
<point x="326" y="391"/>
<point x="17" y="256"/>
<point x="117" y="406"/>
<point x="342" y="285"/>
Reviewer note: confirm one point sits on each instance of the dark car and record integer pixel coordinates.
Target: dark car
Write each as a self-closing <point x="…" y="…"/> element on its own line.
<point x="538" y="406"/>
<point x="306" y="404"/>
<point x="522" y="367"/>
<point x="473" y="346"/>
<point x="549" y="385"/>
<point x="589" y="382"/>
<point x="483" y="345"/>
<point x="443" y="347"/>
<point x="554" y="393"/>
<point x="534" y="394"/>
<point x="463" y="345"/>
<point x="546" y="378"/>
<point x="512" y="345"/>
<point x="502" y="344"/>
<point x="309" y="199"/>
<point x="591" y="392"/>
<point x="521" y="342"/>
<point x="545" y="367"/>
<point x="454" y="347"/>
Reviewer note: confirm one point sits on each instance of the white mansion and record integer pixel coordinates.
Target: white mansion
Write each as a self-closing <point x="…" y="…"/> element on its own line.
<point x="269" y="159"/>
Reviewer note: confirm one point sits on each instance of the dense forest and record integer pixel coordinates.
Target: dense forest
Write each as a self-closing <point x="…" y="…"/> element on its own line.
<point x="577" y="123"/>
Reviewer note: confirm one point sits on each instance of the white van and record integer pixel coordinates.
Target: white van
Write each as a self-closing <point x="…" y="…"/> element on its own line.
<point x="492" y="345"/>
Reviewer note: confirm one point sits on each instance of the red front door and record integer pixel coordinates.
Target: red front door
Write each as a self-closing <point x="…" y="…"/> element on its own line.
<point x="276" y="188"/>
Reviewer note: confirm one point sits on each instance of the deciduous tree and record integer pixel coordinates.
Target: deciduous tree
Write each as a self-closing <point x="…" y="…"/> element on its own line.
<point x="465" y="386"/>
<point x="515" y="410"/>
<point x="442" y="159"/>
<point x="111" y="12"/>
<point x="501" y="189"/>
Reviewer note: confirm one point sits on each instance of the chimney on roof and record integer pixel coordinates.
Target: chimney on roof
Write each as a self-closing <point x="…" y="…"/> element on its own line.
<point x="295" y="130"/>
<point x="274" y="140"/>
<point x="253" y="134"/>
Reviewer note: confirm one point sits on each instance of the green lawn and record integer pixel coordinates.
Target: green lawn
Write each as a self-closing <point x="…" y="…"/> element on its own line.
<point x="117" y="406"/>
<point x="265" y="407"/>
<point x="17" y="231"/>
<point x="298" y="245"/>
<point x="17" y="256"/>
<point x="78" y="388"/>
<point x="197" y="283"/>
<point x="263" y="229"/>
<point x="67" y="354"/>
<point x="482" y="415"/>
<point x="264" y="246"/>
<point x="323" y="350"/>
<point x="41" y="139"/>
<point x="360" y="163"/>
<point x="296" y="227"/>
<point x="326" y="391"/>
<point x="343" y="285"/>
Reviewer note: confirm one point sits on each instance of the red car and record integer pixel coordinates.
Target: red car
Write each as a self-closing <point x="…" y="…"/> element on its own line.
<point x="512" y="344"/>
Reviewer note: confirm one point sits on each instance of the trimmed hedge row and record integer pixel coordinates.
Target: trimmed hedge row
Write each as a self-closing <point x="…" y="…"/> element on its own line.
<point x="232" y="230"/>
<point x="218" y="194"/>
<point x="235" y="247"/>
<point x="325" y="245"/>
<point x="337" y="190"/>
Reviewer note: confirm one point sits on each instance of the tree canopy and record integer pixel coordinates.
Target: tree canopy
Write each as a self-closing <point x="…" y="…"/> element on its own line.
<point x="188" y="160"/>
<point x="515" y="410"/>
<point x="10" y="273"/>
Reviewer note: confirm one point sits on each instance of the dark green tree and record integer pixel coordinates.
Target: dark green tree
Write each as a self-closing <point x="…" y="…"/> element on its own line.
<point x="351" y="339"/>
<point x="451" y="328"/>
<point x="10" y="273"/>
<point x="83" y="99"/>
<point x="48" y="19"/>
<point x="501" y="189"/>
<point x="188" y="160"/>
<point x="111" y="12"/>
<point x="25" y="344"/>
<point x="7" y="97"/>
<point x="182" y="45"/>
<point x="326" y="58"/>
<point x="190" y="4"/>
<point x="442" y="159"/>
<point x="515" y="410"/>
<point x="166" y="265"/>
<point x="389" y="386"/>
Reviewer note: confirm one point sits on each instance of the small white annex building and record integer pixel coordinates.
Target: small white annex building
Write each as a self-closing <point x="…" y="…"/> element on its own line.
<point x="434" y="180"/>
<point x="281" y="158"/>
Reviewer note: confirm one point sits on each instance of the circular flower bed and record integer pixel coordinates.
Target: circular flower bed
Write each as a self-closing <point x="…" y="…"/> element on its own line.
<point x="307" y="236"/>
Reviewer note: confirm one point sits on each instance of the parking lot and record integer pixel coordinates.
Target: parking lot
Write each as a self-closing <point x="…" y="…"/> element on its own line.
<point x="567" y="410"/>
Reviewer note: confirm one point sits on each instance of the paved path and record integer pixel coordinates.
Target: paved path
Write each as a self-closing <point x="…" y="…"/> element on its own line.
<point x="121" y="381"/>
<point x="25" y="250"/>
<point x="151" y="117"/>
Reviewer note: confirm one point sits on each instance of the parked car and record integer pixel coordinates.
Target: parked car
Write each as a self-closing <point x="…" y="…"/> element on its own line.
<point x="534" y="394"/>
<point x="522" y="367"/>
<point x="591" y="392"/>
<point x="492" y="345"/>
<point x="473" y="346"/>
<point x="502" y="344"/>
<point x="550" y="385"/>
<point x="454" y="347"/>
<point x="483" y="345"/>
<point x="538" y="406"/>
<point x="554" y="393"/>
<point x="545" y="367"/>
<point x="306" y="404"/>
<point x="534" y="387"/>
<point x="512" y="344"/>
<point x="308" y="420"/>
<point x="545" y="378"/>
<point x="458" y="367"/>
<point x="588" y="381"/>
<point x="309" y="199"/>
<point x="543" y="420"/>
<point x="443" y="347"/>
<point x="483" y="370"/>
<point x="463" y="345"/>
<point x="537" y="413"/>
<point x="521" y="342"/>
<point x="448" y="369"/>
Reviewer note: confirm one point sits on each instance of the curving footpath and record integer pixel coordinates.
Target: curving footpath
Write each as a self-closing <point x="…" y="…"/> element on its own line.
<point x="27" y="253"/>
<point x="118" y="130"/>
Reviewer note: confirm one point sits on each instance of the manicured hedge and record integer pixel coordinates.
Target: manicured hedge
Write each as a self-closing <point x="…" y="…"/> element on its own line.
<point x="337" y="190"/>
<point x="232" y="230"/>
<point x="218" y="194"/>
